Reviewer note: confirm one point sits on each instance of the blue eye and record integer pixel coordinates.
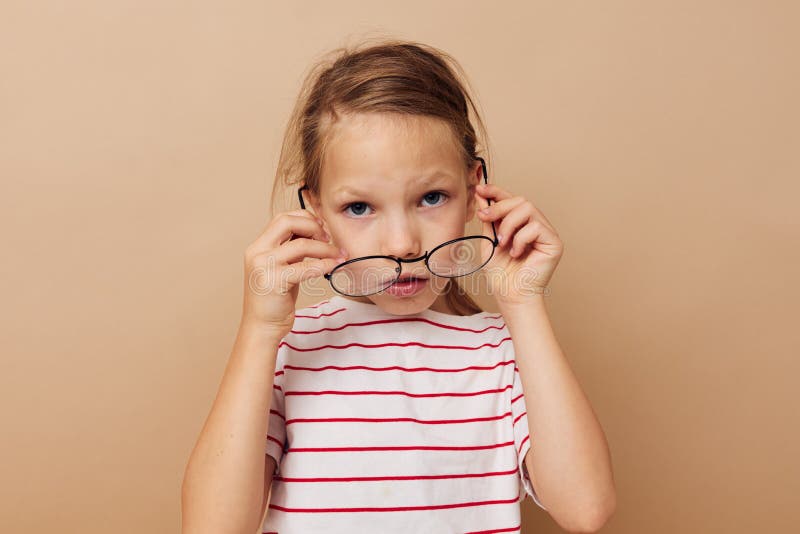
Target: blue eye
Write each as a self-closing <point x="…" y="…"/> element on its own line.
<point x="359" y="206"/>
<point x="354" y="204"/>
<point x="435" y="193"/>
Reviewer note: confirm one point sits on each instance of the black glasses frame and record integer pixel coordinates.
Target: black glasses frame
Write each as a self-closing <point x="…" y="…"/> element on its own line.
<point x="425" y="256"/>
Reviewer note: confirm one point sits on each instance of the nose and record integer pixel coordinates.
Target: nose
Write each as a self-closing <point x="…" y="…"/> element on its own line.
<point x="402" y="242"/>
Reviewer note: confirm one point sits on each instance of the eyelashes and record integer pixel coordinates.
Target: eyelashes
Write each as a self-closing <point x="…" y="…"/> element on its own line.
<point x="437" y="194"/>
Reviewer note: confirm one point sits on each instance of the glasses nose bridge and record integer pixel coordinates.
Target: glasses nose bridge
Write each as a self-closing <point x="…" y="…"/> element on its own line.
<point x="401" y="261"/>
<point x="413" y="260"/>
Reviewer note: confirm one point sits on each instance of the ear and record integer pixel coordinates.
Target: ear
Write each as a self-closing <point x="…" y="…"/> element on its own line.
<point x="474" y="178"/>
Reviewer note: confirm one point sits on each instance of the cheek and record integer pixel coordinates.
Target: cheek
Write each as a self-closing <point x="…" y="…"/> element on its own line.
<point x="445" y="224"/>
<point x="351" y="240"/>
<point x="457" y="220"/>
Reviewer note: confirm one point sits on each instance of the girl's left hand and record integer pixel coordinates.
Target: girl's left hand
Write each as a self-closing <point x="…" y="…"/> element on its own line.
<point x="529" y="248"/>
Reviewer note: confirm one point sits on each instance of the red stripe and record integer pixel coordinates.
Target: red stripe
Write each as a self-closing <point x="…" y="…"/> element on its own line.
<point x="522" y="445"/>
<point x="515" y="399"/>
<point x="393" y="368"/>
<point x="317" y="305"/>
<point x="513" y="471"/>
<point x="400" y="320"/>
<point x="511" y="529"/>
<point x="401" y="448"/>
<point x="379" y="345"/>
<point x="277" y="413"/>
<point x="398" y="420"/>
<point x="287" y="393"/>
<point x="270" y="438"/>
<point x="393" y="509"/>
<point x="320" y="315"/>
<point x="517" y="418"/>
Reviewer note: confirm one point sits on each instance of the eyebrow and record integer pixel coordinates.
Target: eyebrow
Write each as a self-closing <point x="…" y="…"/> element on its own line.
<point x="435" y="178"/>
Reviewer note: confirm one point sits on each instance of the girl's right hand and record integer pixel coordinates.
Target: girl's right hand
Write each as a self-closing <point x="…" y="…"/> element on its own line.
<point x="274" y="266"/>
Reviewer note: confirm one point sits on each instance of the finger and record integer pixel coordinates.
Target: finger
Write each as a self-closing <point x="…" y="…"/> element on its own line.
<point x="287" y="225"/>
<point x="498" y="212"/>
<point x="300" y="248"/>
<point x="309" y="268"/>
<point x="300" y="223"/>
<point x="492" y="191"/>
<point x="525" y="236"/>
<point x="498" y="193"/>
<point x="500" y="209"/>
<point x="540" y="216"/>
<point x="275" y="231"/>
<point x="518" y="216"/>
<point x="486" y="226"/>
<point x="534" y="234"/>
<point x="317" y="232"/>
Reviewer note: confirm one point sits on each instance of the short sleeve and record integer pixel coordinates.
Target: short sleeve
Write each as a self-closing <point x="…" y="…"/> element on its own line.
<point x="522" y="441"/>
<point x="276" y="427"/>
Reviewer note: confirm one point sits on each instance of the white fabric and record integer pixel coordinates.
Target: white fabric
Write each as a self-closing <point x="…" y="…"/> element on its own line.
<point x="419" y="402"/>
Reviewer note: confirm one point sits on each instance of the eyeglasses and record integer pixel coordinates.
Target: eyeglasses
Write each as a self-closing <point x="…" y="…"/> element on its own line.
<point x="368" y="275"/>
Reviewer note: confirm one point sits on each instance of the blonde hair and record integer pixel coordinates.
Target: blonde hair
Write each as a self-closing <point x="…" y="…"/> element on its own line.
<point x="390" y="76"/>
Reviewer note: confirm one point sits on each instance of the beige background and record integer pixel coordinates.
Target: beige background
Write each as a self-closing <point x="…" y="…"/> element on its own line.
<point x="138" y="142"/>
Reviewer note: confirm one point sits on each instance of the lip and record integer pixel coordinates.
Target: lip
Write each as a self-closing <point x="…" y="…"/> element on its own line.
<point x="406" y="289"/>
<point x="407" y="277"/>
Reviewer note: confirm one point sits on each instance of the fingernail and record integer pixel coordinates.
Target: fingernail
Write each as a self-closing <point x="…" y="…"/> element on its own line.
<point x="500" y="239"/>
<point x="485" y="211"/>
<point x="344" y="253"/>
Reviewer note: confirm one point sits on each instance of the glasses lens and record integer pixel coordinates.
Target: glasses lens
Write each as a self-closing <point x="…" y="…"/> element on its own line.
<point x="364" y="277"/>
<point x="459" y="258"/>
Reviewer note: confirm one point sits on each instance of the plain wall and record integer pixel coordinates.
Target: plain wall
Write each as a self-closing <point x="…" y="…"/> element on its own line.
<point x="138" y="142"/>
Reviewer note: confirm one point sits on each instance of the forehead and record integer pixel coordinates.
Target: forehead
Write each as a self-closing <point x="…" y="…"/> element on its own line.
<point x="380" y="149"/>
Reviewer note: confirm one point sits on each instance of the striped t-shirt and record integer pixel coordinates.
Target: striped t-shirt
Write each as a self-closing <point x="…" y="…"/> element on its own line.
<point x="387" y="423"/>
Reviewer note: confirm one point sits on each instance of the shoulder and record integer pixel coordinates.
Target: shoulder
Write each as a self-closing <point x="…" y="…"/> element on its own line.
<point x="317" y="311"/>
<point x="315" y="318"/>
<point x="485" y="330"/>
<point x="494" y="328"/>
<point x="311" y="323"/>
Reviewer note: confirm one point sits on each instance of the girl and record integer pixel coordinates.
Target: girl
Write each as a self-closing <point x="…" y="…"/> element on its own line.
<point x="397" y="405"/>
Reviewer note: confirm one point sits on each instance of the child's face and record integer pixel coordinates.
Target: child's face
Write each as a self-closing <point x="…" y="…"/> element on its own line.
<point x="379" y="195"/>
